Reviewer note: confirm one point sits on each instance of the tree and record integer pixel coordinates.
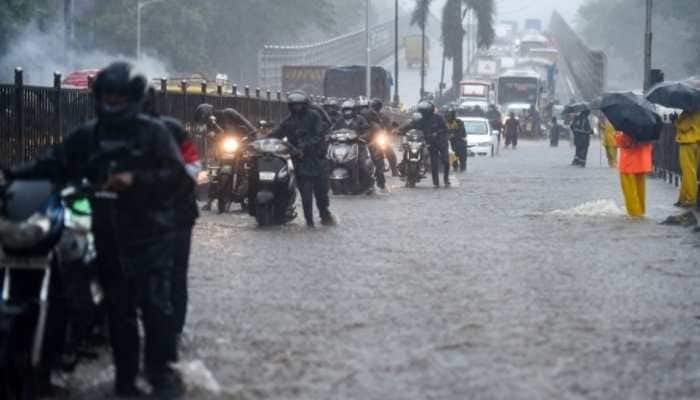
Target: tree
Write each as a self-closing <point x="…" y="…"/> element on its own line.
<point x="420" y="18"/>
<point x="453" y="32"/>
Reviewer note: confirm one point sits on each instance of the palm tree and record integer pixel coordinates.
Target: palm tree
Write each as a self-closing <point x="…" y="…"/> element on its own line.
<point x="453" y="32"/>
<point x="420" y="18"/>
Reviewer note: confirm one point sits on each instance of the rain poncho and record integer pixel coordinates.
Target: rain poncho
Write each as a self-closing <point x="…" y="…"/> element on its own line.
<point x="635" y="163"/>
<point x="688" y="128"/>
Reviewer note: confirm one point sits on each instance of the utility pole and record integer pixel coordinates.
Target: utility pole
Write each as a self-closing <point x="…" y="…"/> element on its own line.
<point x="647" y="47"/>
<point x="139" y="6"/>
<point x="68" y="25"/>
<point x="369" y="55"/>
<point x="422" y="64"/>
<point x="396" y="53"/>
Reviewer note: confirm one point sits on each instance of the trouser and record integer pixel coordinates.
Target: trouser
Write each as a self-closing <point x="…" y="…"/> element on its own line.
<point x="391" y="157"/>
<point x="439" y="156"/>
<point x="582" y="142"/>
<point x="554" y="139"/>
<point x="310" y="187"/>
<point x="611" y="153"/>
<point x="688" y="157"/>
<point x="179" y="295"/>
<point x="460" y="149"/>
<point x="378" y="160"/>
<point x="512" y="138"/>
<point x="138" y="277"/>
<point x="634" y="190"/>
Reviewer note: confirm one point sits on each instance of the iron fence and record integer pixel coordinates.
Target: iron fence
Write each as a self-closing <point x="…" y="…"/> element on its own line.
<point x="33" y="117"/>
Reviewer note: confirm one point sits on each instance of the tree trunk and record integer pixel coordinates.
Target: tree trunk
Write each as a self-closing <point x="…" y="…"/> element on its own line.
<point x="457" y="69"/>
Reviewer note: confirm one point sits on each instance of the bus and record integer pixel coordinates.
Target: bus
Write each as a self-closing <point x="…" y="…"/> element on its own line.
<point x="532" y="40"/>
<point x="519" y="87"/>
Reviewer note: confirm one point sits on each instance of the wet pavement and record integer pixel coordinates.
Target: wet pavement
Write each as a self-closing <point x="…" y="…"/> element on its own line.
<point x="523" y="281"/>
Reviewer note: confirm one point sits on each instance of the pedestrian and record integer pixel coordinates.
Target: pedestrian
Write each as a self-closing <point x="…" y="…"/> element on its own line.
<point x="688" y="137"/>
<point x="134" y="155"/>
<point x="302" y="129"/>
<point x="186" y="212"/>
<point x="635" y="163"/>
<point x="458" y="137"/>
<point x="607" y="130"/>
<point x="554" y="133"/>
<point x="512" y="130"/>
<point x="582" y="131"/>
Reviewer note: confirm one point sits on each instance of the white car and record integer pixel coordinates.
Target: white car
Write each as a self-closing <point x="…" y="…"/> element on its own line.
<point x="481" y="139"/>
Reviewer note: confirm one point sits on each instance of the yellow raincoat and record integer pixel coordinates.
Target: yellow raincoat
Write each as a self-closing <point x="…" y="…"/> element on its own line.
<point x="688" y="137"/>
<point x="608" y="137"/>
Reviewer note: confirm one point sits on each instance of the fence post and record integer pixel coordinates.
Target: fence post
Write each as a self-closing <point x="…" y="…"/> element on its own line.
<point x="234" y="90"/>
<point x="163" y="109"/>
<point x="19" y="115"/>
<point x="183" y="88"/>
<point x="57" y="121"/>
<point x="268" y="96"/>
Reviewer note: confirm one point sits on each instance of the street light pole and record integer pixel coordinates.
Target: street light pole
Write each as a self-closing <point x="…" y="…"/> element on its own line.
<point x="369" y="54"/>
<point x="139" y="6"/>
<point x="647" y="46"/>
<point x="396" y="53"/>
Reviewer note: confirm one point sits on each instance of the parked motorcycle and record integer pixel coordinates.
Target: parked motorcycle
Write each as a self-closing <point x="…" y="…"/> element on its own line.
<point x="272" y="181"/>
<point x="415" y="162"/>
<point x="352" y="169"/>
<point x="45" y="236"/>
<point x="228" y="175"/>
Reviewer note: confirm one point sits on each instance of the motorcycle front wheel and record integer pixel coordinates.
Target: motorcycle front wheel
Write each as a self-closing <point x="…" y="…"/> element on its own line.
<point x="223" y="198"/>
<point x="265" y="214"/>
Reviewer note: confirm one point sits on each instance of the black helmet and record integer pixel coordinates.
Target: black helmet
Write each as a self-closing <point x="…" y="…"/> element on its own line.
<point x="451" y="114"/>
<point x="119" y="80"/>
<point x="362" y="104"/>
<point x="425" y="108"/>
<point x="376" y="104"/>
<point x="203" y="112"/>
<point x="298" y="102"/>
<point x="348" y="109"/>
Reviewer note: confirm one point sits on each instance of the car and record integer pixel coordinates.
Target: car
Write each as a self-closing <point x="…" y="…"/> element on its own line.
<point x="481" y="138"/>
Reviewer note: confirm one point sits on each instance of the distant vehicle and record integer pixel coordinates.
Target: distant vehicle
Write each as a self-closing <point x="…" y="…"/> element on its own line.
<point x="507" y="63"/>
<point x="308" y="78"/>
<point x="481" y="139"/>
<point x="194" y="83"/>
<point x="349" y="81"/>
<point x="414" y="52"/>
<point x="519" y="86"/>
<point x="532" y="40"/>
<point x="79" y="79"/>
<point x="547" y="53"/>
<point x="475" y="91"/>
<point x="534" y="24"/>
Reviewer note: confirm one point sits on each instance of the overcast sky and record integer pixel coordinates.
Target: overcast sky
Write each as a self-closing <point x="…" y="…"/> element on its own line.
<point x="519" y="9"/>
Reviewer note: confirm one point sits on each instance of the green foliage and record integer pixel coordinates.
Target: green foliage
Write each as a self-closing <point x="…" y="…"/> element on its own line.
<point x="421" y="13"/>
<point x="16" y="14"/>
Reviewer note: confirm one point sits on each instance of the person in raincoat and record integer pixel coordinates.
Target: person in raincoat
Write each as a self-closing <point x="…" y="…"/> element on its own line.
<point x="581" y="128"/>
<point x="635" y="163"/>
<point x="607" y="131"/>
<point x="688" y="138"/>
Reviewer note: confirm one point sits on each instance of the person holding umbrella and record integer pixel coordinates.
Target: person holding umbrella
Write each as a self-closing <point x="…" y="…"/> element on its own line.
<point x="684" y="95"/>
<point x="608" y="137"/>
<point x="635" y="163"/>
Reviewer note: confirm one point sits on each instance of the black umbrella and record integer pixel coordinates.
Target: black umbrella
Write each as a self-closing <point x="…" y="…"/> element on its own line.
<point x="682" y="95"/>
<point x="576" y="108"/>
<point x="632" y="114"/>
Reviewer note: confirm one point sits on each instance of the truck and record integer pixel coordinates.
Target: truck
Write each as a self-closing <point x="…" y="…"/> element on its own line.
<point x="308" y="78"/>
<point x="349" y="81"/>
<point x="413" y="51"/>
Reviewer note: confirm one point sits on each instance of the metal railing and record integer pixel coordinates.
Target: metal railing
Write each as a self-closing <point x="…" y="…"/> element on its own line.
<point x="347" y="49"/>
<point x="587" y="67"/>
<point x="33" y="117"/>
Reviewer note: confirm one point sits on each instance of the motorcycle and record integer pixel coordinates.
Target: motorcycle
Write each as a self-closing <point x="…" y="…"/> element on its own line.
<point x="352" y="169"/>
<point x="272" y="181"/>
<point x="228" y="177"/>
<point x="415" y="159"/>
<point x="45" y="236"/>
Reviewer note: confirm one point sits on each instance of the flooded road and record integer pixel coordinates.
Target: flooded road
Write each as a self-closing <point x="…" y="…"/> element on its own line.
<point x="524" y="281"/>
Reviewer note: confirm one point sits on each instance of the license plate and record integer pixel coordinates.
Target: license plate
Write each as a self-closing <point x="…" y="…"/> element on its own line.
<point x="267" y="176"/>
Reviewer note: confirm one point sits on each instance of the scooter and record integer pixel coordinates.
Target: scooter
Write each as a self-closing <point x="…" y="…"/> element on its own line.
<point x="272" y="182"/>
<point x="352" y="169"/>
<point x="43" y="232"/>
<point x="415" y="159"/>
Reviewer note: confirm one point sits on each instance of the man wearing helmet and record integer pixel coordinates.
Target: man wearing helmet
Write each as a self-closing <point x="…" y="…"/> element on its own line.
<point x="303" y="131"/>
<point x="458" y="137"/>
<point x="435" y="130"/>
<point x="362" y="107"/>
<point x="332" y="109"/>
<point x="351" y="120"/>
<point x="377" y="105"/>
<point x="134" y="155"/>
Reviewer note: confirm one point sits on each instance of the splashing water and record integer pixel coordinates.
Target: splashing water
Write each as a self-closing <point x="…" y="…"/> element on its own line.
<point x="597" y="208"/>
<point x="197" y="375"/>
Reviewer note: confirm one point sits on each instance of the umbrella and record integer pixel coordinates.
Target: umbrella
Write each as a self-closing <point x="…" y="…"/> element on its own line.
<point x="682" y="95"/>
<point x="576" y="108"/>
<point x="79" y="79"/>
<point x="632" y="114"/>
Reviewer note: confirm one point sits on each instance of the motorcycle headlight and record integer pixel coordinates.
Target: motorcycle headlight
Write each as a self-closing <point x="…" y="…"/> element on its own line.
<point x="414" y="146"/>
<point x="229" y="145"/>
<point x="381" y="140"/>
